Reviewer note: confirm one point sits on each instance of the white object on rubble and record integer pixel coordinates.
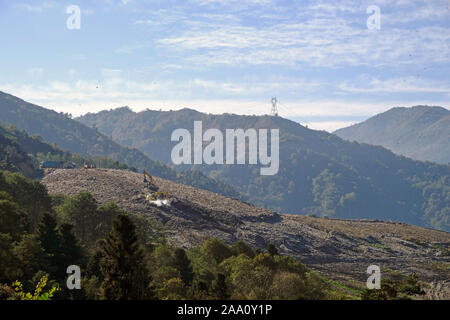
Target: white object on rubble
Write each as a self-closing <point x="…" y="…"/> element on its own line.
<point x="160" y="203"/>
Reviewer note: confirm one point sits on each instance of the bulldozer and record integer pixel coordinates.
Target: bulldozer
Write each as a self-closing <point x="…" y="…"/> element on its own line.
<point x="160" y="194"/>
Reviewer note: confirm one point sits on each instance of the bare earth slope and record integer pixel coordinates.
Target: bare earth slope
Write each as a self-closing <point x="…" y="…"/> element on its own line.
<point x="340" y="249"/>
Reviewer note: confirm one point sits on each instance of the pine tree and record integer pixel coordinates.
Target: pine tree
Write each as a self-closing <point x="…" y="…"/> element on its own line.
<point x="93" y="265"/>
<point x="51" y="244"/>
<point x="219" y="287"/>
<point x="71" y="250"/>
<point x="272" y="250"/>
<point x="123" y="265"/>
<point x="183" y="264"/>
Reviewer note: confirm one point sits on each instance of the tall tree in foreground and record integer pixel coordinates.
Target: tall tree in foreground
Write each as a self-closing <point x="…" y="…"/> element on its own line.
<point x="123" y="265"/>
<point x="183" y="264"/>
<point x="51" y="244"/>
<point x="71" y="250"/>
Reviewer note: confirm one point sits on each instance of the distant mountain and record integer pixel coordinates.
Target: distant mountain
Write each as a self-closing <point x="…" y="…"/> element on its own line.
<point x="319" y="173"/>
<point x="421" y="132"/>
<point x="73" y="136"/>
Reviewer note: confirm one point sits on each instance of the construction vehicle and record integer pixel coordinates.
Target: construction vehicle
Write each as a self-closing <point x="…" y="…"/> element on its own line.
<point x="160" y="194"/>
<point x="160" y="198"/>
<point x="147" y="177"/>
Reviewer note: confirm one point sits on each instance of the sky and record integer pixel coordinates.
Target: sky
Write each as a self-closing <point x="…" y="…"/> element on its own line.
<point x="326" y="64"/>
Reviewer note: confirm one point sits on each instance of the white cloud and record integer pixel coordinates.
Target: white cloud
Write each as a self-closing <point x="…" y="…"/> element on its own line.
<point x="37" y="7"/>
<point x="395" y="85"/>
<point x="319" y="42"/>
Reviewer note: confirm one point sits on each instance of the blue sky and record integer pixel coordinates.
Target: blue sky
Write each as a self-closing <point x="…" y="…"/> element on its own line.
<point x="319" y="58"/>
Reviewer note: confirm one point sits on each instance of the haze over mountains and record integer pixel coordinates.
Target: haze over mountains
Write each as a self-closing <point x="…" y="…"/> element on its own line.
<point x="77" y="138"/>
<point x="319" y="173"/>
<point x="419" y="132"/>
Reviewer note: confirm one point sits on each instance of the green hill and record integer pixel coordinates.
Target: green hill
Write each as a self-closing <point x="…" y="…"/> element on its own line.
<point x="22" y="153"/>
<point x="73" y="136"/>
<point x="12" y="157"/>
<point x="319" y="172"/>
<point x="421" y="132"/>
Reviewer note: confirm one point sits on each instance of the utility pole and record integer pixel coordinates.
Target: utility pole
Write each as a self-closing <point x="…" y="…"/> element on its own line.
<point x="274" y="110"/>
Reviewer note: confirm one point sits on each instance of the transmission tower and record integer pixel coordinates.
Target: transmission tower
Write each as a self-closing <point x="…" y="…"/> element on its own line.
<point x="274" y="110"/>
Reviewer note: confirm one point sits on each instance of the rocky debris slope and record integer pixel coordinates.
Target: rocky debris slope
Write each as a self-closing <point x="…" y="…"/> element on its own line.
<point x="340" y="249"/>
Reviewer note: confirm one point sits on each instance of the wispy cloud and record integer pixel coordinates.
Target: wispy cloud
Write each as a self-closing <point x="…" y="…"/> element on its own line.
<point x="37" y="7"/>
<point x="396" y="85"/>
<point x="320" y="42"/>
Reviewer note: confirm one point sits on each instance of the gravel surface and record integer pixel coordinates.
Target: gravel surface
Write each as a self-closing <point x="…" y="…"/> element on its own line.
<point x="340" y="249"/>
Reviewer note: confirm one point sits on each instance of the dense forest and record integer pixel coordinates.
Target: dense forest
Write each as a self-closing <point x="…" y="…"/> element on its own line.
<point x="126" y="256"/>
<point x="60" y="130"/>
<point x="319" y="173"/>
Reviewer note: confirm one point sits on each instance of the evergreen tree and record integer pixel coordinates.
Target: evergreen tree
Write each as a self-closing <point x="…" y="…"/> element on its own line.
<point x="71" y="250"/>
<point x="93" y="265"/>
<point x="9" y="264"/>
<point x="106" y="214"/>
<point x="219" y="287"/>
<point x="123" y="265"/>
<point x="31" y="255"/>
<point x="51" y="244"/>
<point x="272" y="250"/>
<point x="183" y="264"/>
<point x="12" y="220"/>
<point x="82" y="212"/>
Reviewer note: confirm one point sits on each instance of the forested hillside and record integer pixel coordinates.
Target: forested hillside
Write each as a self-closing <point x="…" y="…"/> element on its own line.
<point x="420" y="132"/>
<point x="130" y="255"/>
<point x="21" y="153"/>
<point x="67" y="134"/>
<point x="319" y="172"/>
<point x="123" y="256"/>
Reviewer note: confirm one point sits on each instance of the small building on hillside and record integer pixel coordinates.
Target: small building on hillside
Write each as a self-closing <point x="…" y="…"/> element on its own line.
<point x="58" y="165"/>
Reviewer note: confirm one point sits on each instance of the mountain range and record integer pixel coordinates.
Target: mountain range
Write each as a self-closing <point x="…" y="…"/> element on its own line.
<point x="319" y="174"/>
<point x="420" y="132"/>
<point x="70" y="135"/>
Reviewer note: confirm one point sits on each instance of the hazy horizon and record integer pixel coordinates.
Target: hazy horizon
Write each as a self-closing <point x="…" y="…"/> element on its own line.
<point x="327" y="68"/>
